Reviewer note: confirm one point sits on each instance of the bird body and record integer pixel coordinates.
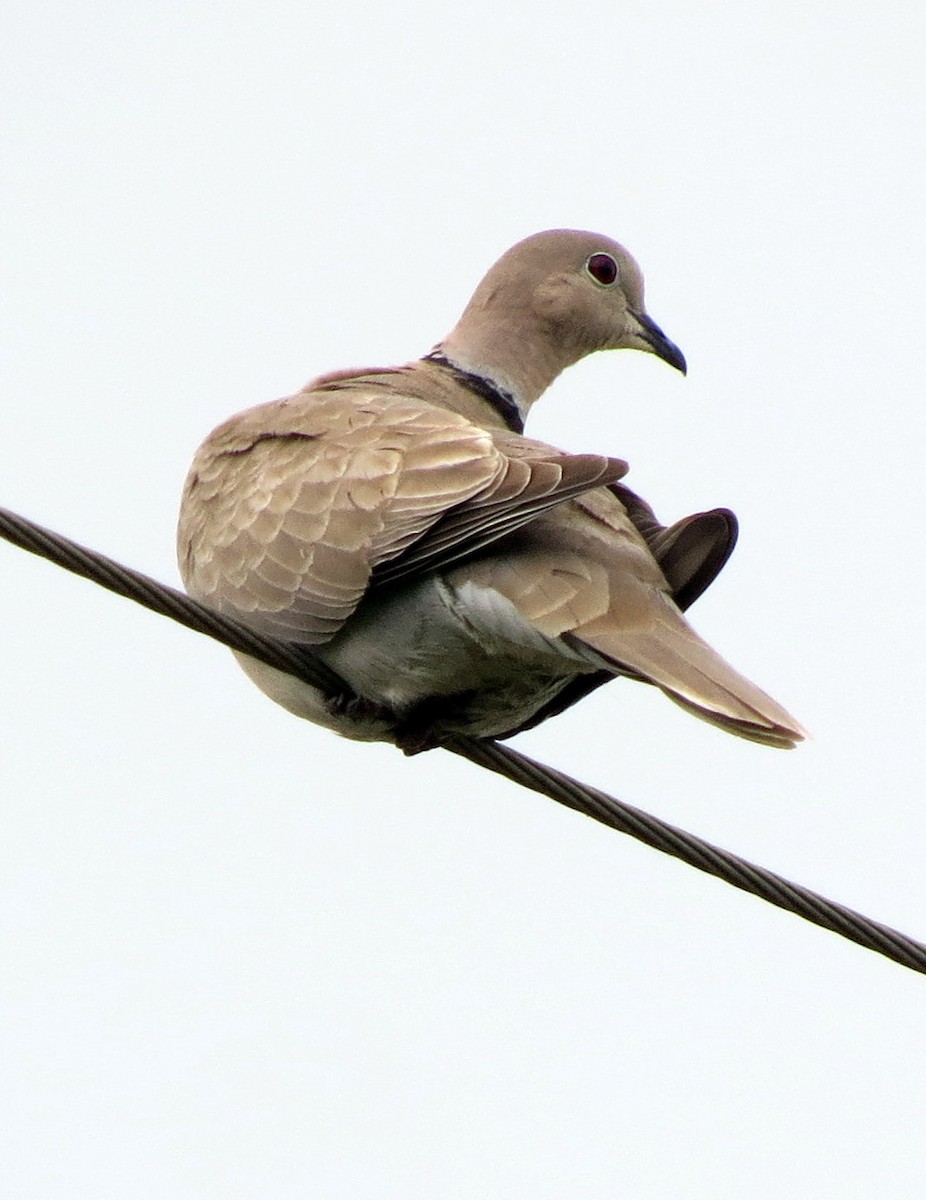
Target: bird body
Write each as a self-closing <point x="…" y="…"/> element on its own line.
<point x="461" y="577"/>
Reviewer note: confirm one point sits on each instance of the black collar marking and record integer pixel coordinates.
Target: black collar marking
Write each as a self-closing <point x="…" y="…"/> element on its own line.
<point x="502" y="401"/>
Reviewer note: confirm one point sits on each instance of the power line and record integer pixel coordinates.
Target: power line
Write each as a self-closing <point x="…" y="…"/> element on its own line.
<point x="486" y="753"/>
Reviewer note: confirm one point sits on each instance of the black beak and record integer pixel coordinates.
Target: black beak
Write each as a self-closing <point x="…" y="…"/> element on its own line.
<point x="659" y="344"/>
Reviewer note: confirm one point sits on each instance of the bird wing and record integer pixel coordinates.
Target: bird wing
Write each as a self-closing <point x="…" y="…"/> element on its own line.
<point x="537" y="478"/>
<point x="290" y="507"/>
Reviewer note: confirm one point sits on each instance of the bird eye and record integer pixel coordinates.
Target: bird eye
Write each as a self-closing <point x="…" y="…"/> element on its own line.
<point x="602" y="268"/>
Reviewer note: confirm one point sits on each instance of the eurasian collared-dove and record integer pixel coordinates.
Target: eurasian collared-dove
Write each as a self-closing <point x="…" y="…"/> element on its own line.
<point x="462" y="577"/>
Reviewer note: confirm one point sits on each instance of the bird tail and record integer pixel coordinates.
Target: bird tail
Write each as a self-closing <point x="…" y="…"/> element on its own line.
<point x="674" y="658"/>
<point x="782" y="737"/>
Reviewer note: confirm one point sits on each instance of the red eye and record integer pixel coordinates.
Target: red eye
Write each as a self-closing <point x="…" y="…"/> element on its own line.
<point x="602" y="268"/>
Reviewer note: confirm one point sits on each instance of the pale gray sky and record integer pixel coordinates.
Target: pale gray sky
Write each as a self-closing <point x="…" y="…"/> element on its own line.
<point x="242" y="958"/>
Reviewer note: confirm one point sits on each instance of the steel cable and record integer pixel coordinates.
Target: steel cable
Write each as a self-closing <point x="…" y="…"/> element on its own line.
<point x="489" y="754"/>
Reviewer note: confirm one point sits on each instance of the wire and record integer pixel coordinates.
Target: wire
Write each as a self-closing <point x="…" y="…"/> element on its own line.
<point x="168" y="602"/>
<point x="485" y="753"/>
<point x="693" y="850"/>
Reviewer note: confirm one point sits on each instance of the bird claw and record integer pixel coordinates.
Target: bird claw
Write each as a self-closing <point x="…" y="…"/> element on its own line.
<point x="430" y="723"/>
<point x="358" y="708"/>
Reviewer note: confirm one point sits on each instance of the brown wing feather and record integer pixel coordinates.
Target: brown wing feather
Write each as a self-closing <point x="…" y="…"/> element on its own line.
<point x="290" y="508"/>
<point x="528" y="488"/>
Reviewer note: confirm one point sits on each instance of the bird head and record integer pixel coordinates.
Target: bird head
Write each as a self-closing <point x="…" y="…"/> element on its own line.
<point x="549" y="301"/>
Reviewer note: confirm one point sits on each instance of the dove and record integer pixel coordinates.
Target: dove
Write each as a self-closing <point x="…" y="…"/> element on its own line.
<point x="461" y="577"/>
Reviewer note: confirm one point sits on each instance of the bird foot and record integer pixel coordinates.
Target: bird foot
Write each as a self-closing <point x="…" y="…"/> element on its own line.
<point x="431" y="722"/>
<point x="358" y="708"/>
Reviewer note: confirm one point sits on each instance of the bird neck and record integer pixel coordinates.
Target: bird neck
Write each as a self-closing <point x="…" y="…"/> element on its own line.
<point x="515" y="357"/>
<point x="500" y="399"/>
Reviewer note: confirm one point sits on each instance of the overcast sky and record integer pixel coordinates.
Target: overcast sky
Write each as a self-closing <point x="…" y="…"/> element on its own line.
<point x="244" y="958"/>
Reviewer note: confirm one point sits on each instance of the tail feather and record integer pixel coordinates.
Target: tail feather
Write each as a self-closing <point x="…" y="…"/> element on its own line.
<point x="673" y="657"/>
<point x="767" y="735"/>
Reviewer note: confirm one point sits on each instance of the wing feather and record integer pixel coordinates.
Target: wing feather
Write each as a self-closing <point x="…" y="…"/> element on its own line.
<point x="291" y="507"/>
